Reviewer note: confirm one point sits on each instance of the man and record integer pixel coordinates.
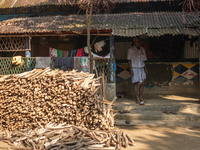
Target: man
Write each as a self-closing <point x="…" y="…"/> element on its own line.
<point x="136" y="57"/>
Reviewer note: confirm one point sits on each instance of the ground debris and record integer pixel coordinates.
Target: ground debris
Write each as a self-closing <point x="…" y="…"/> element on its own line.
<point x="66" y="137"/>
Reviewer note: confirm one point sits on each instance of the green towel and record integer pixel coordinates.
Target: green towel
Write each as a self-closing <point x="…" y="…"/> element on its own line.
<point x="59" y="53"/>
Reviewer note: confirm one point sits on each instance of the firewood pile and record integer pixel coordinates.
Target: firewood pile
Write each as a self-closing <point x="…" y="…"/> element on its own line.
<point x="53" y="96"/>
<point x="66" y="137"/>
<point x="36" y="105"/>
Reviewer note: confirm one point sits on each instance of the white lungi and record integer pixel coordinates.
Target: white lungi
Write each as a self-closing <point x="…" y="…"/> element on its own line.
<point x="139" y="75"/>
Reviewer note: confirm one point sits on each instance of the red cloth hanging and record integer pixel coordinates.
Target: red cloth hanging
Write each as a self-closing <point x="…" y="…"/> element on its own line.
<point x="79" y="53"/>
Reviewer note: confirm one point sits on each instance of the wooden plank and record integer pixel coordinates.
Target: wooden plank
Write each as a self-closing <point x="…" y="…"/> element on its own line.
<point x="105" y="84"/>
<point x="103" y="81"/>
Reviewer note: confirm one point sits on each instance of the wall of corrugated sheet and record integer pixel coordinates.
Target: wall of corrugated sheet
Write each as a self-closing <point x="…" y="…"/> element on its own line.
<point x="190" y="52"/>
<point x="121" y="49"/>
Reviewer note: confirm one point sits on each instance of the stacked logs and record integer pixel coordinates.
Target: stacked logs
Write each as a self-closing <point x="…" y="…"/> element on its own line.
<point x="66" y="137"/>
<point x="37" y="97"/>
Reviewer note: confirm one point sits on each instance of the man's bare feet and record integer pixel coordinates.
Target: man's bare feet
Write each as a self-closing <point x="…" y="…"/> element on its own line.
<point x="137" y="100"/>
<point x="141" y="99"/>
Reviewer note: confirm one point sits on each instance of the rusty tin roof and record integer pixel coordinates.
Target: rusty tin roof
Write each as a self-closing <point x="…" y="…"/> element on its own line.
<point x="27" y="3"/>
<point x="127" y="24"/>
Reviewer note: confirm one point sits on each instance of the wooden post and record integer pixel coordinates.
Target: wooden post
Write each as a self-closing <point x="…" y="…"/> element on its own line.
<point x="28" y="46"/>
<point x="1" y="112"/>
<point x="28" y="53"/>
<point x="199" y="68"/>
<point x="103" y="84"/>
<point x="112" y="54"/>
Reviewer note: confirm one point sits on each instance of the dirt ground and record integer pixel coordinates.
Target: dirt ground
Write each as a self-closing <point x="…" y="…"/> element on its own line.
<point x="163" y="138"/>
<point x="159" y="138"/>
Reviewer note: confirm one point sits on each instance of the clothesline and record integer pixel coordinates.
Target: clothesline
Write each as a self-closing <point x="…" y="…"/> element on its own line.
<point x="77" y="52"/>
<point x="78" y="48"/>
<point x="71" y="53"/>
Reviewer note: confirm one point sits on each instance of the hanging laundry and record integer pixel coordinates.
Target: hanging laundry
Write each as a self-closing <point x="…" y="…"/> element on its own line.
<point x="83" y="54"/>
<point x="107" y="56"/>
<point x="59" y="53"/>
<point x="74" y="53"/>
<point x="52" y="52"/>
<point x="42" y="62"/>
<point x="97" y="56"/>
<point x="69" y="62"/>
<point x="65" y="54"/>
<point x="86" y="50"/>
<point x="82" y="64"/>
<point x="80" y="53"/>
<point x="59" y="62"/>
<point x="64" y="62"/>
<point x="70" y="53"/>
<point x="98" y="46"/>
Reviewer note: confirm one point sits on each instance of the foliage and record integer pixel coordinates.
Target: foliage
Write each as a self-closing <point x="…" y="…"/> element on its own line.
<point x="89" y="6"/>
<point x="85" y="4"/>
<point x="190" y="5"/>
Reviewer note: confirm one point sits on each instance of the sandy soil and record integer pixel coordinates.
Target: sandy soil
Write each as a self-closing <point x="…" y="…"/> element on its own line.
<point x="163" y="138"/>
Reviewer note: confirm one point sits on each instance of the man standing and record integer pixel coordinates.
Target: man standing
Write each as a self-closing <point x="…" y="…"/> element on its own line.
<point x="136" y="57"/>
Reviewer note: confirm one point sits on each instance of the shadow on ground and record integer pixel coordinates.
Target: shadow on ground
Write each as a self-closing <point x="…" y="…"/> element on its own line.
<point x="181" y="98"/>
<point x="163" y="138"/>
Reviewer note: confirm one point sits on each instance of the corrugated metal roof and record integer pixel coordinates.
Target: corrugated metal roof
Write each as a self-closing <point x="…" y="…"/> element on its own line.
<point x="27" y="3"/>
<point x="128" y="24"/>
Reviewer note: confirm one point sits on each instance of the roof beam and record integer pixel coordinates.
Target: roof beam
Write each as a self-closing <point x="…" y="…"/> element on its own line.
<point x="34" y="35"/>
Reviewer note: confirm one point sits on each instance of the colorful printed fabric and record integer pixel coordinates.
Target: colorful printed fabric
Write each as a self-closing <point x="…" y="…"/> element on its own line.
<point x="52" y="52"/>
<point x="59" y="53"/>
<point x="65" y="54"/>
<point x="82" y="64"/>
<point x="42" y="62"/>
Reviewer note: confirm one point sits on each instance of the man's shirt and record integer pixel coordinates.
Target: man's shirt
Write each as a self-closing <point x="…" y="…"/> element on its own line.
<point x="137" y="57"/>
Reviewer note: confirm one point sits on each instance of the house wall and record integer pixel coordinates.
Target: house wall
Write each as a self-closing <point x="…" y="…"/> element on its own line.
<point x="161" y="77"/>
<point x="165" y="73"/>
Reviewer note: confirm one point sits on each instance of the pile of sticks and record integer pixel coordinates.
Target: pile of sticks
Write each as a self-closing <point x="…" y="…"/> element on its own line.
<point x="42" y="96"/>
<point x="66" y="137"/>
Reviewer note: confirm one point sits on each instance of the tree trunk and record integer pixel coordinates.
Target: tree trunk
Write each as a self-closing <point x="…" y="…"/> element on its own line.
<point x="88" y="16"/>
